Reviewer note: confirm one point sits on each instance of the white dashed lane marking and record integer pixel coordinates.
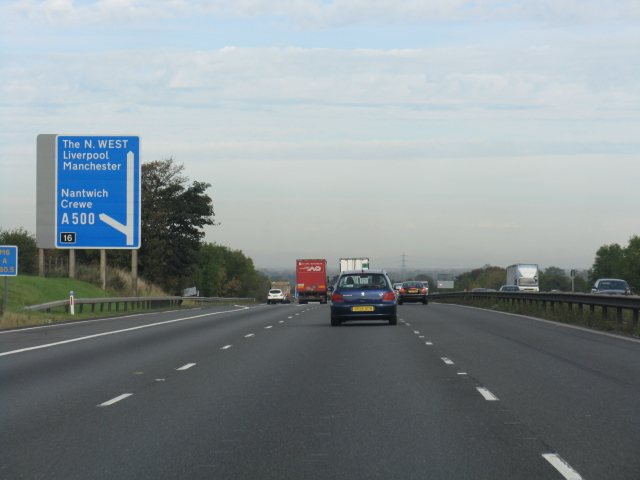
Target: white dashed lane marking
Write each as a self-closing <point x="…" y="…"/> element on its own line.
<point x="487" y="394"/>
<point x="115" y="400"/>
<point x="563" y="467"/>
<point x="186" y="367"/>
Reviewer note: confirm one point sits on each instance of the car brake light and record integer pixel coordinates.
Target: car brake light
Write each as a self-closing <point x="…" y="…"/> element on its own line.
<point x="336" y="297"/>
<point x="389" y="296"/>
<point x="424" y="290"/>
<point x="402" y="290"/>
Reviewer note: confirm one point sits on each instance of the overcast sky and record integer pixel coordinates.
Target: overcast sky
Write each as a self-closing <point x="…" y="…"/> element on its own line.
<point x="456" y="133"/>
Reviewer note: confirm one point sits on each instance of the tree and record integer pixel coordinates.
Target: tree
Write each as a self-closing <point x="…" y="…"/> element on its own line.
<point x="554" y="278"/>
<point x="27" y="249"/>
<point x="631" y="265"/>
<point x="426" y="278"/>
<point x="614" y="261"/>
<point x="581" y="284"/>
<point x="555" y="271"/>
<point x="485" y="277"/>
<point x="222" y="272"/>
<point x="173" y="214"/>
<point x="608" y="262"/>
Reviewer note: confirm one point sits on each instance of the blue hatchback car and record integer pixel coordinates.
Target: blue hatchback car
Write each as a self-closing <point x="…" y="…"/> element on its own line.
<point x="363" y="295"/>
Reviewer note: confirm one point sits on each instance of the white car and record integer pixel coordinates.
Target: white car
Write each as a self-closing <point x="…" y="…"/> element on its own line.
<point x="276" y="296"/>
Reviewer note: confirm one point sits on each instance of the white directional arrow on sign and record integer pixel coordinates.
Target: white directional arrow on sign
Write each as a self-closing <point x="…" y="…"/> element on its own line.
<point x="127" y="229"/>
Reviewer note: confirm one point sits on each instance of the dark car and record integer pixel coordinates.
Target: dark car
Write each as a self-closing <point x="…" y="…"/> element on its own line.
<point x="611" y="286"/>
<point x="413" y="292"/>
<point x="363" y="295"/>
<point x="510" y="288"/>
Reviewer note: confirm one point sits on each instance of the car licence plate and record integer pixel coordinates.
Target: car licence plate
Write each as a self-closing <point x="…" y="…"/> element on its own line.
<point x="413" y="290"/>
<point x="363" y="309"/>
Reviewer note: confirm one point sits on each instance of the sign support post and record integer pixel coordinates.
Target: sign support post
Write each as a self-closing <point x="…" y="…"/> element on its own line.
<point x="103" y="268"/>
<point x="134" y="271"/>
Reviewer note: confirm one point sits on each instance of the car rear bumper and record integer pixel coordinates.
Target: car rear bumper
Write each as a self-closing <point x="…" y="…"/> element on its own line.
<point x="412" y="297"/>
<point x="380" y="311"/>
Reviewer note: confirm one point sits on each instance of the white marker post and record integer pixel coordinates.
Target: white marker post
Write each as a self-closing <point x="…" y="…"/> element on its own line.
<point x="71" y="307"/>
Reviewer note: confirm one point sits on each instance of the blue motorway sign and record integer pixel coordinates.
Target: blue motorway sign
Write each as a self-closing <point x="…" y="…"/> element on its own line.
<point x="8" y="260"/>
<point x="97" y="192"/>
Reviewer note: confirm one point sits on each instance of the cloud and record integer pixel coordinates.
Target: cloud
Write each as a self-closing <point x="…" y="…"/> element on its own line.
<point x="438" y="102"/>
<point x="67" y="13"/>
<point x="437" y="79"/>
<point x="320" y="14"/>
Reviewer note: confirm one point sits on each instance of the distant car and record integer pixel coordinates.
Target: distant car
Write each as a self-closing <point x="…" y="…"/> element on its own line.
<point x="479" y="290"/>
<point x="413" y="292"/>
<point x="276" y="296"/>
<point x="509" y="288"/>
<point x="611" y="286"/>
<point x="363" y="295"/>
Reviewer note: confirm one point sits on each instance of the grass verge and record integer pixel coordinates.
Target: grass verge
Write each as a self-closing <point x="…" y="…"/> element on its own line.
<point x="26" y="291"/>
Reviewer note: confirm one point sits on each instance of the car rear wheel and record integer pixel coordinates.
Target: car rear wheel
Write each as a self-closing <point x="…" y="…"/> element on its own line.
<point x="425" y="302"/>
<point x="393" y="320"/>
<point x="400" y="302"/>
<point x="335" y="322"/>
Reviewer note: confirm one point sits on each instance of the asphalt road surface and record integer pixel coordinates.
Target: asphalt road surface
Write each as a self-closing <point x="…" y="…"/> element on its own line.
<point x="275" y="392"/>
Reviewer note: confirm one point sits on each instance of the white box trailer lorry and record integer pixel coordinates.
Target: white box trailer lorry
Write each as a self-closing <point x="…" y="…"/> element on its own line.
<point x="354" y="264"/>
<point x="525" y="276"/>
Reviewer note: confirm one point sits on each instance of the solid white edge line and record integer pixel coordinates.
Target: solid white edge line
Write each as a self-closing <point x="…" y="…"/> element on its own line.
<point x="487" y="394"/>
<point x="114" y="400"/>
<point x="448" y="361"/>
<point x="92" y="320"/>
<point x="114" y="332"/>
<point x="226" y="347"/>
<point x="187" y="366"/>
<point x="563" y="467"/>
